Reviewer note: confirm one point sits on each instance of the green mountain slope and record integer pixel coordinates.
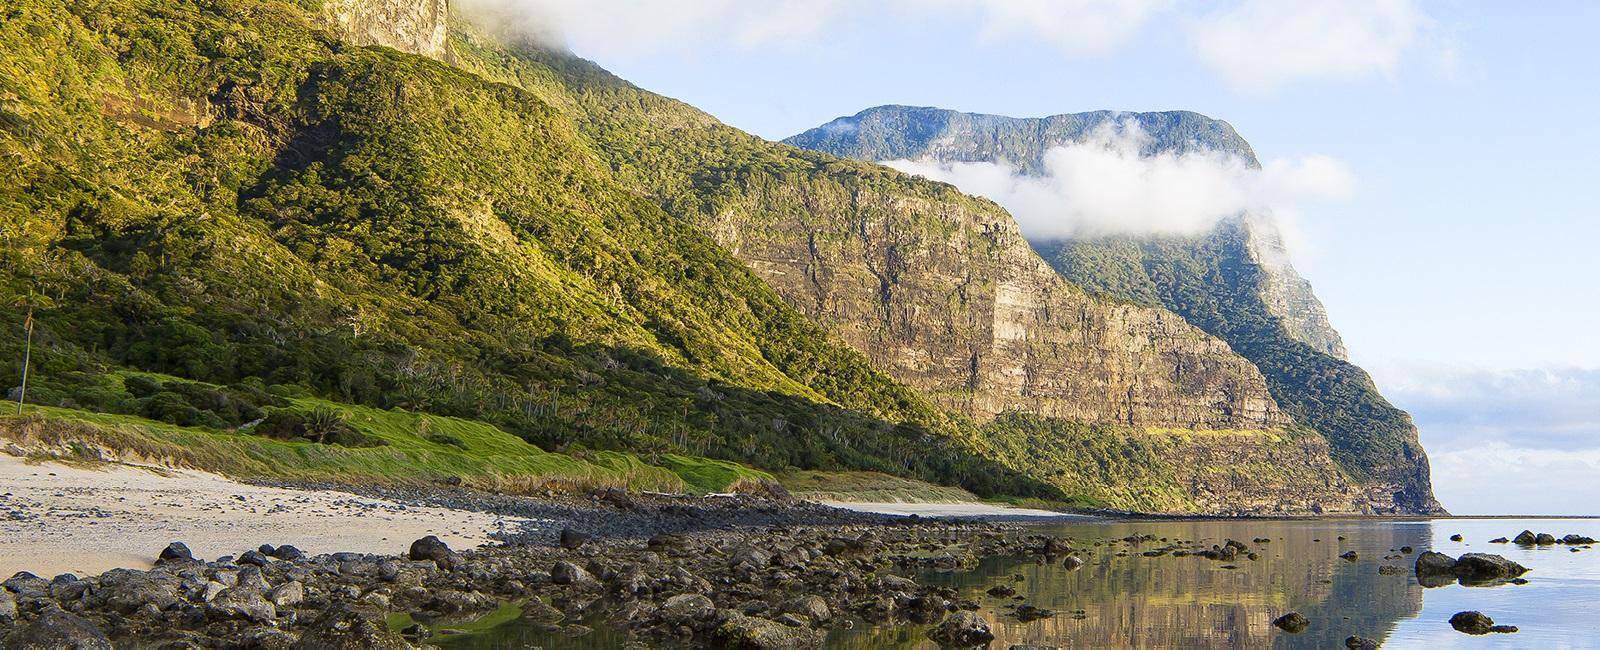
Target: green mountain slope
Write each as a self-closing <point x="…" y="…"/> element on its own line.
<point x="1235" y="281"/>
<point x="229" y="193"/>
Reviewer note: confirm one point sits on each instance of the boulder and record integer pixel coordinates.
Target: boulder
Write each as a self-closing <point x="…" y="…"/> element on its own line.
<point x="429" y="548"/>
<point x="685" y="609"/>
<point x="8" y="608"/>
<point x="126" y="591"/>
<point x="253" y="558"/>
<point x="1360" y="643"/>
<point x="55" y="629"/>
<point x="1456" y="537"/>
<point x="1471" y="622"/>
<point x="242" y="602"/>
<point x="1544" y="539"/>
<point x="1072" y="562"/>
<point x="812" y="607"/>
<point x="288" y="594"/>
<point x="287" y="553"/>
<point x="962" y="629"/>
<point x="1525" y="537"/>
<point x="1577" y="539"/>
<point x="27" y="585"/>
<point x="1499" y="540"/>
<point x="175" y="552"/>
<point x="567" y="573"/>
<point x="572" y="539"/>
<point x="347" y="627"/>
<point x="1293" y="623"/>
<point x="755" y="633"/>
<point x="1431" y="563"/>
<point x="1348" y="556"/>
<point x="1485" y="567"/>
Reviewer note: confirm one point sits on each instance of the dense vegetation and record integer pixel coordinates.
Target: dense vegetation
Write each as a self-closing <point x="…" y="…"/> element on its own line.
<point x="223" y="192"/>
<point x="1211" y="281"/>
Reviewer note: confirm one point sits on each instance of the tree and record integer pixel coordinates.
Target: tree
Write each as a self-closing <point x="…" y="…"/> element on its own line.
<point x="29" y="302"/>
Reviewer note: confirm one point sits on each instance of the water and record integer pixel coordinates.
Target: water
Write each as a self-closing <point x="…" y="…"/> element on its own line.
<point x="1163" y="602"/>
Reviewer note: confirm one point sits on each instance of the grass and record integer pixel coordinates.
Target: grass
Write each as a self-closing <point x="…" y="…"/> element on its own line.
<point x="868" y="487"/>
<point x="481" y="455"/>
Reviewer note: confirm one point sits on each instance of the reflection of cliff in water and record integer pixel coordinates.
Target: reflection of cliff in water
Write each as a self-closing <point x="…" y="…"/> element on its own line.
<point x="1136" y="601"/>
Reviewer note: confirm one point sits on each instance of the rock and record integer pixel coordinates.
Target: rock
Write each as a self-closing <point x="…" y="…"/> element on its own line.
<point x="538" y="611"/>
<point x="27" y="585"/>
<point x="1577" y="539"/>
<point x="1525" y="537"/>
<point x="1072" y="562"/>
<point x="1389" y="570"/>
<point x="175" y="552"/>
<point x="8" y="608"/>
<point x="343" y="626"/>
<point x="962" y="629"/>
<point x="1456" y="537"/>
<point x="1544" y="539"/>
<point x="1002" y="591"/>
<point x="1360" y="643"/>
<point x="429" y="548"/>
<point x="288" y="594"/>
<point x="1471" y="622"/>
<point x="1485" y="567"/>
<point x="266" y="549"/>
<point x="752" y="633"/>
<point x="1431" y="563"/>
<point x="211" y="590"/>
<point x="253" y="558"/>
<point x="55" y="629"/>
<point x="1293" y="623"/>
<point x="126" y="591"/>
<point x="1027" y="612"/>
<point x="1348" y="556"/>
<point x="287" y="553"/>
<point x="1499" y="540"/>
<point x="242" y="602"/>
<point x="1504" y="629"/>
<point x="812" y="607"/>
<point x="1404" y="549"/>
<point x="572" y="539"/>
<point x="685" y="609"/>
<point x="567" y="573"/>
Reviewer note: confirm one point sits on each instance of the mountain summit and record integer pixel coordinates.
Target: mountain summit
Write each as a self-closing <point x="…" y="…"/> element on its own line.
<point x="1235" y="281"/>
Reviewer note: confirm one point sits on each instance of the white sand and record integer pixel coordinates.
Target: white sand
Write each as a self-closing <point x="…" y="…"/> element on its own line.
<point x="57" y="518"/>
<point x="983" y="510"/>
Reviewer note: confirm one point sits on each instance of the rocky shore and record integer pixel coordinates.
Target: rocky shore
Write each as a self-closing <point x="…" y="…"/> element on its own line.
<point x="730" y="571"/>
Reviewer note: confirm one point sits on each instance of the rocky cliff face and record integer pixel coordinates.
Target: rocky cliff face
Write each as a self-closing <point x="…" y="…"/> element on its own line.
<point x="411" y="26"/>
<point x="1235" y="282"/>
<point x="945" y="294"/>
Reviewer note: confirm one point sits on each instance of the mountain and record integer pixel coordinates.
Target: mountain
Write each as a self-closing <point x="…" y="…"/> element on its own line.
<point x="1235" y="281"/>
<point x="277" y="200"/>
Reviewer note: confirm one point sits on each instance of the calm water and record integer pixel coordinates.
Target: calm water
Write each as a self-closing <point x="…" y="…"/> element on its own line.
<point x="1137" y="601"/>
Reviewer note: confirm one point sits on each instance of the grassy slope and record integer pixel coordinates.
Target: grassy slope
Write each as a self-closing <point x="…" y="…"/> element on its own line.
<point x="223" y="192"/>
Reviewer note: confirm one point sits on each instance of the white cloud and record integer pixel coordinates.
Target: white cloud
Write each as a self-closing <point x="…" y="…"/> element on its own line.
<point x="1259" y="45"/>
<point x="1103" y="185"/>
<point x="1076" y="27"/>
<point x="1497" y="479"/>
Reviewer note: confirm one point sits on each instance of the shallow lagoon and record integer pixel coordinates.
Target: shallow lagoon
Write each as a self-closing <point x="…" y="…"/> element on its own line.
<point x="1135" y="601"/>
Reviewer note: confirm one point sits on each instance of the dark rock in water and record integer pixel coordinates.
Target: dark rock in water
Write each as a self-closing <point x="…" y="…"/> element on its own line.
<point x="1404" y="549"/>
<point x="55" y="629"/>
<point x="1002" y="591"/>
<point x="741" y="631"/>
<point x="1456" y="537"/>
<point x="1504" y="629"/>
<point x="1485" y="567"/>
<point x="1348" y="556"/>
<point x="346" y="626"/>
<point x="254" y="558"/>
<point x="287" y="553"/>
<point x="1577" y="539"/>
<point x="1390" y="570"/>
<point x="429" y="548"/>
<point x="175" y="552"/>
<point x="1026" y="612"/>
<point x="1432" y="563"/>
<point x="1360" y="643"/>
<point x="962" y="629"/>
<point x="1472" y="622"/>
<point x="572" y="539"/>
<point x="1072" y="562"/>
<point x="1544" y="539"/>
<point x="1525" y="537"/>
<point x="1293" y="623"/>
<point x="1499" y="540"/>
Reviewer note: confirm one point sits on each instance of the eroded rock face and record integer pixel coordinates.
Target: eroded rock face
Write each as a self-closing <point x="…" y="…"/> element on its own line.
<point x="414" y="26"/>
<point x="948" y="297"/>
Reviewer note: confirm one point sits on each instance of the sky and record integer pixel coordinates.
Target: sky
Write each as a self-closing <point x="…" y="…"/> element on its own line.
<point x="1456" y="251"/>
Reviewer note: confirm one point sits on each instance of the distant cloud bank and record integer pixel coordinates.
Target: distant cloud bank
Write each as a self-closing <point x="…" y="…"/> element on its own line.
<point x="1102" y="185"/>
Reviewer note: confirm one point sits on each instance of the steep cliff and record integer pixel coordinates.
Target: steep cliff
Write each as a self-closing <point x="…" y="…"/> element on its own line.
<point x="411" y="26"/>
<point x="1235" y="281"/>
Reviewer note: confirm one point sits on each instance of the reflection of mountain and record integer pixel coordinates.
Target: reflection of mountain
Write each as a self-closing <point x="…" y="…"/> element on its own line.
<point x="1163" y="602"/>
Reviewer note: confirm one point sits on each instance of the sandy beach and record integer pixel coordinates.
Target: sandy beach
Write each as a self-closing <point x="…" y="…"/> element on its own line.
<point x="58" y="518"/>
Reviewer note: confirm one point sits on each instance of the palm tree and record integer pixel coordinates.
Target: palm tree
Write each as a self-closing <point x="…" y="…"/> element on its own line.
<point x="30" y="301"/>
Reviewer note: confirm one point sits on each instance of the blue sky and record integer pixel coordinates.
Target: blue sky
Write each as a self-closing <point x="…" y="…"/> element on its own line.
<point x="1461" y="267"/>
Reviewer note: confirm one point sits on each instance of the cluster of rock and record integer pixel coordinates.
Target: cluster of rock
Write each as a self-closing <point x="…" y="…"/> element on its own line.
<point x="1435" y="569"/>
<point x="1529" y="538"/>
<point x="764" y="588"/>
